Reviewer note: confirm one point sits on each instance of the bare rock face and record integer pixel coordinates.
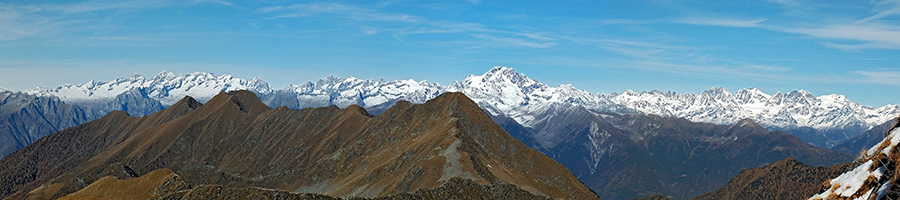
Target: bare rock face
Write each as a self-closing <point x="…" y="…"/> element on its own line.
<point x="445" y="146"/>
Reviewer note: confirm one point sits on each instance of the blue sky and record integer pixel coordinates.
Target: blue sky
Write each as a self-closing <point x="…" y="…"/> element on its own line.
<point x="844" y="47"/>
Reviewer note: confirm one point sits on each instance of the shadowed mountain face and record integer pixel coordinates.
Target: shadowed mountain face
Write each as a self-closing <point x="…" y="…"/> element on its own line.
<point x="785" y="179"/>
<point x="58" y="153"/>
<point x="866" y="140"/>
<point x="630" y="156"/>
<point x="234" y="140"/>
<point x="26" y="117"/>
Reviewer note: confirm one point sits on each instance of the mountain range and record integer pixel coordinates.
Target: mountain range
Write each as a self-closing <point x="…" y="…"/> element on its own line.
<point x="445" y="148"/>
<point x="600" y="137"/>
<point x="635" y="155"/>
<point x="824" y="121"/>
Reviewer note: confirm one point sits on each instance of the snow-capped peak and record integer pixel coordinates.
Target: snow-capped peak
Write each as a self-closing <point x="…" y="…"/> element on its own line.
<point x="498" y="76"/>
<point x="784" y="110"/>
<point x="364" y="92"/>
<point x="503" y="91"/>
<point x="166" y="87"/>
<point x="717" y="91"/>
<point x="500" y="71"/>
<point x="164" y="75"/>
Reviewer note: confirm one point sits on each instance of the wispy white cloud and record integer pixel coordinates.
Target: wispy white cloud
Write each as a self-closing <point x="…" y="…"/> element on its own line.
<point x="861" y="36"/>
<point x="372" y="20"/>
<point x="224" y="3"/>
<point x="641" y="48"/>
<point x="16" y="24"/>
<point x="880" y="77"/>
<point x="369" y="30"/>
<point x="515" y="42"/>
<point x="786" y="2"/>
<point x="94" y="6"/>
<point x="341" y="10"/>
<point x="622" y="21"/>
<point x="44" y="20"/>
<point x="720" y="21"/>
<point x="873" y="32"/>
<point x="214" y="1"/>
<point x="767" y="68"/>
<point x="883" y="9"/>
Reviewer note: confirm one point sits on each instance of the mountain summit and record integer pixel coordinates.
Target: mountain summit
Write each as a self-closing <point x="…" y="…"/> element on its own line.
<point x="234" y="140"/>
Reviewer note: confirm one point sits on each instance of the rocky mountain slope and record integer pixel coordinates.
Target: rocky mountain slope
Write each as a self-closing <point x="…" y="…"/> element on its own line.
<point x="55" y="154"/>
<point x="25" y="118"/>
<point x="871" y="176"/>
<point x="785" y="179"/>
<point x="867" y="140"/>
<point x="236" y="141"/>
<point x="874" y="176"/>
<point x="164" y="184"/>
<point x="635" y="155"/>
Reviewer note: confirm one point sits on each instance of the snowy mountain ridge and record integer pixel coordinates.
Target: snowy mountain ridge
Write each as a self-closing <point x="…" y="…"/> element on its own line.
<point x="503" y="91"/>
<point x="348" y="91"/>
<point x="166" y="87"/>
<point x="786" y="110"/>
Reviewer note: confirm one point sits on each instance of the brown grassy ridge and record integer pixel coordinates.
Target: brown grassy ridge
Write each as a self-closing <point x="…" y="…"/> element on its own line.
<point x="785" y="179"/>
<point x="235" y="141"/>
